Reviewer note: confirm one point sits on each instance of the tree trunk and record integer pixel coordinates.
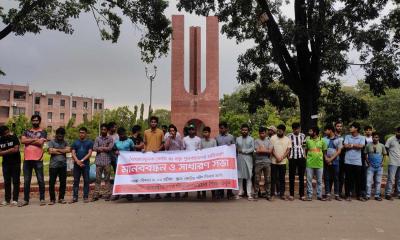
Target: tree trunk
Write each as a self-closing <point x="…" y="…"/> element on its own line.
<point x="308" y="99"/>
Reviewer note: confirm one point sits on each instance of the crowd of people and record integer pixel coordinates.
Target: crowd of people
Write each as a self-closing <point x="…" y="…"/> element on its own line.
<point x="353" y="162"/>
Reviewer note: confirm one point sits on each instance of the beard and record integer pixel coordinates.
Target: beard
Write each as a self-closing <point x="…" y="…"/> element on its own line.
<point x="36" y="125"/>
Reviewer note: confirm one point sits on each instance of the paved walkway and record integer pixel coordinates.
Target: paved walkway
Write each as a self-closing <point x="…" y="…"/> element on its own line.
<point x="203" y="220"/>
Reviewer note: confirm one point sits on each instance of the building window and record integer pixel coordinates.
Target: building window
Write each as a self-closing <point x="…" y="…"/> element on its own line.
<point x="62" y="116"/>
<point x="95" y="105"/>
<point x="37" y="113"/>
<point x="85" y="117"/>
<point x="4" y="95"/>
<point x="50" y="101"/>
<point x="62" y="102"/>
<point x="18" y="111"/>
<point x="100" y="106"/>
<point x="19" y="95"/>
<point x="37" y="100"/>
<point x="49" y="116"/>
<point x="74" y="115"/>
<point x="85" y="105"/>
<point x="74" y="104"/>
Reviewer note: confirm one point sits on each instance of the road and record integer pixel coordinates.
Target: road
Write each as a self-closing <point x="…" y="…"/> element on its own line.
<point x="209" y="220"/>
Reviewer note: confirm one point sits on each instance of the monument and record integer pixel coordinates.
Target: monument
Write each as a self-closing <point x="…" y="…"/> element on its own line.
<point x="197" y="107"/>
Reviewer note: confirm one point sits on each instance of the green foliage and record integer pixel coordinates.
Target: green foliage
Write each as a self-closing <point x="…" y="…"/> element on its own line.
<point x="122" y="116"/>
<point x="18" y="124"/>
<point x="164" y="116"/>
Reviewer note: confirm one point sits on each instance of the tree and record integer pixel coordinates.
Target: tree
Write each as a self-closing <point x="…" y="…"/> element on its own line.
<point x="141" y="112"/>
<point x="164" y="116"/>
<point x="313" y="45"/>
<point x="18" y="124"/>
<point x="122" y="116"/>
<point x="34" y="15"/>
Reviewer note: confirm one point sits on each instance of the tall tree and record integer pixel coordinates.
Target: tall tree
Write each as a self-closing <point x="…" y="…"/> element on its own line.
<point x="34" y="15"/>
<point x="313" y="45"/>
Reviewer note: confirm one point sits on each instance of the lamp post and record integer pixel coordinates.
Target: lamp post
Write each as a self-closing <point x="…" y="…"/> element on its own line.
<point x="151" y="77"/>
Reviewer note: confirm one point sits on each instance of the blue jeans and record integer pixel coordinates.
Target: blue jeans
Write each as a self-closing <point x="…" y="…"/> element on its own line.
<point x="331" y="177"/>
<point x="374" y="174"/>
<point x="29" y="166"/>
<point x="310" y="174"/>
<point x="84" y="171"/>
<point x="393" y="172"/>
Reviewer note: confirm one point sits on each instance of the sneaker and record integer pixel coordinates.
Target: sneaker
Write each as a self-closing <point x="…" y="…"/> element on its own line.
<point x="23" y="204"/>
<point x="321" y="199"/>
<point x="250" y="198"/>
<point x="338" y="198"/>
<point x="42" y="202"/>
<point x="62" y="201"/>
<point x="74" y="200"/>
<point x="237" y="197"/>
<point x="362" y="199"/>
<point x="51" y="203"/>
<point x="86" y="200"/>
<point x="378" y="198"/>
<point x="390" y="198"/>
<point x="284" y="198"/>
<point x="5" y="203"/>
<point x="291" y="198"/>
<point x="14" y="203"/>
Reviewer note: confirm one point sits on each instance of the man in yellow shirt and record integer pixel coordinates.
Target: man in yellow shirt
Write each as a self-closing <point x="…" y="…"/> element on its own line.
<point x="153" y="137"/>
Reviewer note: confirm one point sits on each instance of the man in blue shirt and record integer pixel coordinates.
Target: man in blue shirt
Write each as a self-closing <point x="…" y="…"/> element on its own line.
<point x="81" y="153"/>
<point x="354" y="144"/>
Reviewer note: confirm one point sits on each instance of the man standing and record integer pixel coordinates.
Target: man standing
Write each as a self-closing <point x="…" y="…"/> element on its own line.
<point x="331" y="166"/>
<point x="9" y="150"/>
<point x="112" y="132"/>
<point x="339" y="135"/>
<point x="315" y="151"/>
<point x="393" y="147"/>
<point x="263" y="162"/>
<point x="173" y="143"/>
<point x="245" y="149"/>
<point x="191" y="143"/>
<point x="281" y="146"/>
<point x="58" y="148"/>
<point x="297" y="161"/>
<point x="354" y="144"/>
<point x="137" y="139"/>
<point x="153" y="141"/>
<point x="374" y="156"/>
<point x="271" y="131"/>
<point x="206" y="142"/>
<point x="33" y="140"/>
<point x="103" y="145"/>
<point x="224" y="138"/>
<point x="81" y="153"/>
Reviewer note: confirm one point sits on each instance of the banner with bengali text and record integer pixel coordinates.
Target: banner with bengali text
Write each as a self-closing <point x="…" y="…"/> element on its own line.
<point x="176" y="171"/>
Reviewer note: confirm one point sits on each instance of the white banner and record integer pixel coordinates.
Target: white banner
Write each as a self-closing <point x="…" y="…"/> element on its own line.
<point x="176" y="171"/>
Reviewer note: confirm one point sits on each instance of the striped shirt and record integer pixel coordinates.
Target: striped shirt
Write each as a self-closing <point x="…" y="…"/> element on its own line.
<point x="298" y="142"/>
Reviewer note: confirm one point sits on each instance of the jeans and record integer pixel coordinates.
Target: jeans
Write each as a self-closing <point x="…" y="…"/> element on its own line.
<point x="331" y="178"/>
<point x="353" y="179"/>
<point x="310" y="174"/>
<point x="341" y="174"/>
<point x="61" y="173"/>
<point x="278" y="172"/>
<point x="78" y="171"/>
<point x="11" y="173"/>
<point x="374" y="174"/>
<point x="262" y="169"/>
<point x="393" y="173"/>
<point x="29" y="166"/>
<point x="100" y="170"/>
<point x="300" y="166"/>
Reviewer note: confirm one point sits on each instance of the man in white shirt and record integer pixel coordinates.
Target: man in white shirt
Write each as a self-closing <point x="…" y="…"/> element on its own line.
<point x="191" y="142"/>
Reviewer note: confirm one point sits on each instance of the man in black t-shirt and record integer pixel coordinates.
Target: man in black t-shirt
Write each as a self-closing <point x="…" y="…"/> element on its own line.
<point x="9" y="150"/>
<point x="137" y="139"/>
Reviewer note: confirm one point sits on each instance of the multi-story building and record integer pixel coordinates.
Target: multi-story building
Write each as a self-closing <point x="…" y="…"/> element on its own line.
<point x="55" y="109"/>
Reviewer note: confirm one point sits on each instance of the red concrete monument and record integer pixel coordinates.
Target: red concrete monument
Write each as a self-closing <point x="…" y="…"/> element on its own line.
<point x="197" y="107"/>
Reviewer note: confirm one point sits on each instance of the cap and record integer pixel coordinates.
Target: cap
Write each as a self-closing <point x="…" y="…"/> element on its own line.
<point x="272" y="127"/>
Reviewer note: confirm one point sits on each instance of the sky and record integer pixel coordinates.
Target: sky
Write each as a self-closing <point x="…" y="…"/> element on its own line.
<point x="84" y="65"/>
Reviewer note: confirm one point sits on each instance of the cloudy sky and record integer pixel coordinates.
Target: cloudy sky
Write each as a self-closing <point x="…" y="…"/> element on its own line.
<point x="83" y="64"/>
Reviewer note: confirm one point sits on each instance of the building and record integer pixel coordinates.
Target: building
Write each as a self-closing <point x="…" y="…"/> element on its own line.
<point x="197" y="107"/>
<point x="55" y="109"/>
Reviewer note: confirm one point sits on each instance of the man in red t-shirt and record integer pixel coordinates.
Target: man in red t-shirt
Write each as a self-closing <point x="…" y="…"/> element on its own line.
<point x="33" y="140"/>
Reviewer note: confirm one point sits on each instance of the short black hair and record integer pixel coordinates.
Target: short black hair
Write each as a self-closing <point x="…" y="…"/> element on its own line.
<point x="111" y="124"/>
<point x="206" y="129"/>
<point x="356" y="125"/>
<point x="104" y="125"/>
<point x="164" y="126"/>
<point x="329" y="127"/>
<point x="368" y="127"/>
<point x="223" y="124"/>
<point x="295" y="125"/>
<point x="60" y="131"/>
<point x="315" y="129"/>
<point x="3" y="129"/>
<point x="83" y="129"/>
<point x="136" y="128"/>
<point x="338" y="122"/>
<point x="154" y="118"/>
<point x="121" y="130"/>
<point x="375" y="134"/>
<point x="262" y="129"/>
<point x="281" y="127"/>
<point x="172" y="126"/>
<point x="36" y="116"/>
<point x="244" y="125"/>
